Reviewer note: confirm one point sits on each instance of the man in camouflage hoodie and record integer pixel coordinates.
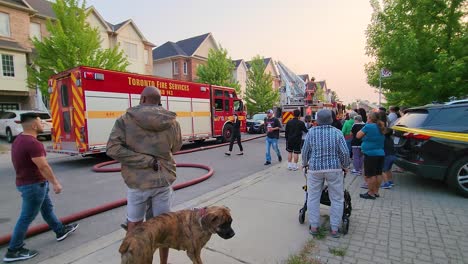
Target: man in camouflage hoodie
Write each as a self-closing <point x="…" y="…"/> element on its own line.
<point x="144" y="140"/>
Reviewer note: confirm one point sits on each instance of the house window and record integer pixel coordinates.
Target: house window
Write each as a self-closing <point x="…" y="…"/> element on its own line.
<point x="185" y="68"/>
<point x="4" y="24"/>
<point x="131" y="50"/>
<point x="8" y="67"/>
<point x="176" y="67"/>
<point x="35" y="31"/>
<point x="146" y="57"/>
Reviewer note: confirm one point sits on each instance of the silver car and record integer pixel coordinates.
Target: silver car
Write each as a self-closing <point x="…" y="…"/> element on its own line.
<point x="10" y="125"/>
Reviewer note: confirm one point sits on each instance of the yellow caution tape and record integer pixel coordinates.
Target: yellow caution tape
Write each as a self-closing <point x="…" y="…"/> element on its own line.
<point x="434" y="133"/>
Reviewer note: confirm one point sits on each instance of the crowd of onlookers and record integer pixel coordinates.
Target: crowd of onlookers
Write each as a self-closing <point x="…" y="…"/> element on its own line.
<point x="363" y="138"/>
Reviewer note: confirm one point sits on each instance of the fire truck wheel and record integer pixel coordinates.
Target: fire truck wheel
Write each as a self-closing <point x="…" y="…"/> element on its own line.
<point x="227" y="133"/>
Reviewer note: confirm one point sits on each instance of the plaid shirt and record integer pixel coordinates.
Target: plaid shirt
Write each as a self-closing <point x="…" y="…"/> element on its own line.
<point x="325" y="149"/>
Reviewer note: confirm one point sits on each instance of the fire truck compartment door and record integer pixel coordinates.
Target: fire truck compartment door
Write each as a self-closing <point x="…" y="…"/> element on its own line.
<point x="102" y="109"/>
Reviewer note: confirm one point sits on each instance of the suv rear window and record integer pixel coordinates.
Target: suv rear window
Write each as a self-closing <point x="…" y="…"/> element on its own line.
<point x="413" y="118"/>
<point x="44" y="116"/>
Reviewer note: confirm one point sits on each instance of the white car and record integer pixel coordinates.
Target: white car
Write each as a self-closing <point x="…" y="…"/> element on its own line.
<point x="10" y="124"/>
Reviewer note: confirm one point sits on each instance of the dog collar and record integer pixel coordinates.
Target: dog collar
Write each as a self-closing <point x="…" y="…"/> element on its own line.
<point x="202" y="211"/>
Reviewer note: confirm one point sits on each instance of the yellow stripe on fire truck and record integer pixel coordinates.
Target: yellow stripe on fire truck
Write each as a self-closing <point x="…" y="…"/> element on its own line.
<point x="286" y="116"/>
<point x="78" y="112"/>
<point x="434" y="133"/>
<point x="116" y="114"/>
<point x="55" y="117"/>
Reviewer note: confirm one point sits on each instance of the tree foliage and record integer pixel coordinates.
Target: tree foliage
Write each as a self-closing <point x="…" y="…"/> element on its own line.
<point x="334" y="97"/>
<point x="319" y="94"/>
<point x="218" y="70"/>
<point x="72" y="42"/>
<point x="423" y="43"/>
<point x="260" y="95"/>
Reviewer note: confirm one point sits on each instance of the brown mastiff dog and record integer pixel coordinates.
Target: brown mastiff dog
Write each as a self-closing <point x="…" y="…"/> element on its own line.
<point x="187" y="230"/>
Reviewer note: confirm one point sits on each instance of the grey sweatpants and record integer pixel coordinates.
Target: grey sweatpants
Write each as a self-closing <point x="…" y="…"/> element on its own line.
<point x="315" y="181"/>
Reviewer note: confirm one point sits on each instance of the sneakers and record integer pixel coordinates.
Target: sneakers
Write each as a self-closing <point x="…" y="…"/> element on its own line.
<point x="240" y="153"/>
<point x="67" y="230"/>
<point x="267" y="163"/>
<point x="367" y="196"/>
<point x="335" y="234"/>
<point x="386" y="185"/>
<point x="20" y="254"/>
<point x="391" y="183"/>
<point x="280" y="158"/>
<point x="313" y="231"/>
<point x="227" y="153"/>
<point x="353" y="171"/>
<point x="294" y="168"/>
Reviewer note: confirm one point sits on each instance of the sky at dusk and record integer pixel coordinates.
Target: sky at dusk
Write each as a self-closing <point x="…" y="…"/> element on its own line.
<point x="323" y="38"/>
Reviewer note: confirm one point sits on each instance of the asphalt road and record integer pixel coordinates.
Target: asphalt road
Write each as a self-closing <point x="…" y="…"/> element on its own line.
<point x="84" y="189"/>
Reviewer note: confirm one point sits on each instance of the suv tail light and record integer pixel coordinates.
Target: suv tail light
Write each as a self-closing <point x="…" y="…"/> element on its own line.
<point x="17" y="121"/>
<point x="416" y="136"/>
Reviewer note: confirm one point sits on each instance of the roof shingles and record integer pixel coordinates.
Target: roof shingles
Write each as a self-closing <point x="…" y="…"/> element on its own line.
<point x="186" y="47"/>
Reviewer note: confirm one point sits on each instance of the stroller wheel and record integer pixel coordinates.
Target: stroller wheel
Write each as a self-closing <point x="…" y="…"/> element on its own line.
<point x="302" y="213"/>
<point x="345" y="225"/>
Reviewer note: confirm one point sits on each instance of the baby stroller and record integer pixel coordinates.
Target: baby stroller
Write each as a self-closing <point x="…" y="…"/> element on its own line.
<point x="325" y="200"/>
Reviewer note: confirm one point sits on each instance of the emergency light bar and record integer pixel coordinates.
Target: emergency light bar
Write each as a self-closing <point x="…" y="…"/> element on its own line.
<point x="93" y="76"/>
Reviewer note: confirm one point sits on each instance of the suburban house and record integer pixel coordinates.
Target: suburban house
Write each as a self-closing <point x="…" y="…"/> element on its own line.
<point x="128" y="37"/>
<point x="240" y="75"/>
<point x="21" y="20"/>
<point x="179" y="60"/>
<point x="304" y="77"/>
<point x="272" y="70"/>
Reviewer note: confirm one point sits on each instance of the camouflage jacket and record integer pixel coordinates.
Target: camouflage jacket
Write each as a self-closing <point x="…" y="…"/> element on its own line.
<point x="141" y="135"/>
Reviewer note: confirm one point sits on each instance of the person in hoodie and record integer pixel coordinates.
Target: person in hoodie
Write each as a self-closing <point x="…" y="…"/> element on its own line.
<point x="144" y="140"/>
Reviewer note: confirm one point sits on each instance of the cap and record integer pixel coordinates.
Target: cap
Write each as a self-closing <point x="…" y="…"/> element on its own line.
<point x="269" y="111"/>
<point x="324" y="117"/>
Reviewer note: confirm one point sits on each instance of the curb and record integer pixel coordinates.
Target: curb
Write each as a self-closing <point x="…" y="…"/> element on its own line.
<point x="207" y="199"/>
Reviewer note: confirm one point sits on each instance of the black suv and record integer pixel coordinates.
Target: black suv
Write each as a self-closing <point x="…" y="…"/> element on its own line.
<point x="432" y="141"/>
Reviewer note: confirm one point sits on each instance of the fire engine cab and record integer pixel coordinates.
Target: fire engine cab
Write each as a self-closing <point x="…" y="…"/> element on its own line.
<point x="85" y="102"/>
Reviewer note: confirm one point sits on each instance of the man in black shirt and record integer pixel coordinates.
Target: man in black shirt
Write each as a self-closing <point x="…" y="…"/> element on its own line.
<point x="293" y="133"/>
<point x="273" y="126"/>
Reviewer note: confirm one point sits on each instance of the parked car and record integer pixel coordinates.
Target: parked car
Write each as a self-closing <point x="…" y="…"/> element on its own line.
<point x="10" y="124"/>
<point x="256" y="123"/>
<point x="432" y="141"/>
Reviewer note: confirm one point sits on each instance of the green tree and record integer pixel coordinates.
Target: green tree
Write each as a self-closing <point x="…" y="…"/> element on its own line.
<point x="423" y="43"/>
<point x="334" y="97"/>
<point x="260" y="95"/>
<point x="72" y="42"/>
<point x="319" y="94"/>
<point x="218" y="70"/>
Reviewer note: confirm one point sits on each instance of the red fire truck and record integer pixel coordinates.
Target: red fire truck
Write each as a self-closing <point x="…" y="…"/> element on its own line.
<point x="85" y="102"/>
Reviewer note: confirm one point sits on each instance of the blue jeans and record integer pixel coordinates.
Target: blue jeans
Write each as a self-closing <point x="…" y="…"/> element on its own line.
<point x="35" y="198"/>
<point x="272" y="142"/>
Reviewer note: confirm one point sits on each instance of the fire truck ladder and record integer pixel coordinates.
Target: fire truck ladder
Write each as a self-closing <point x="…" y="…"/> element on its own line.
<point x="293" y="87"/>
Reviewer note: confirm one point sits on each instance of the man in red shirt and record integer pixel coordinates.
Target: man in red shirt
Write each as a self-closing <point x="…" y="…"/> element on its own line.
<point x="33" y="175"/>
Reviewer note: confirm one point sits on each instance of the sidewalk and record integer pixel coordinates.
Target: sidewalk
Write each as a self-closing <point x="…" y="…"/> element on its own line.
<point x="418" y="221"/>
<point x="264" y="207"/>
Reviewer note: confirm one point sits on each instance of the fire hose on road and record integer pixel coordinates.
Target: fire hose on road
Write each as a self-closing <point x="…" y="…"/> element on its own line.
<point x="41" y="228"/>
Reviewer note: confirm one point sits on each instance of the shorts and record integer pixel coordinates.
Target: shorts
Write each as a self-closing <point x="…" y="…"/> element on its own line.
<point x="388" y="162"/>
<point x="373" y="165"/>
<point x="293" y="146"/>
<point x="161" y="201"/>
